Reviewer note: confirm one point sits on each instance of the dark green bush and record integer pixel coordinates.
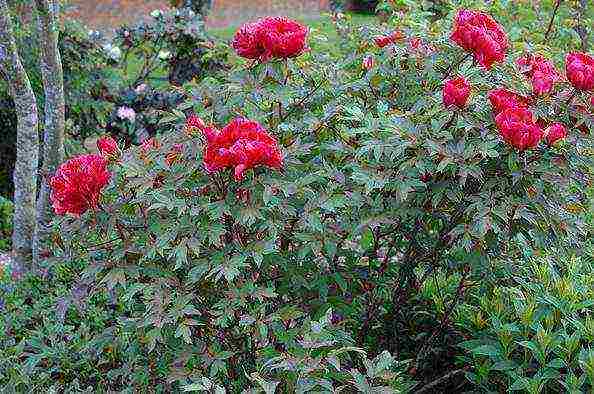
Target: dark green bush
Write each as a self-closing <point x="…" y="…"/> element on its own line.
<point x="391" y="216"/>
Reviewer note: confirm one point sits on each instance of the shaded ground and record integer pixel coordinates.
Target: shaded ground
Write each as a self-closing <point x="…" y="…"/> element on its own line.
<point x="108" y="14"/>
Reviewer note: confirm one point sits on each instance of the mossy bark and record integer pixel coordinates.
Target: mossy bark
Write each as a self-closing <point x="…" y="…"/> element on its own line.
<point x="25" y="171"/>
<point x="53" y="131"/>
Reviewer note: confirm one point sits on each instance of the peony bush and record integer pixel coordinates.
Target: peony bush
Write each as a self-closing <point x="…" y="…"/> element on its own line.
<point x="329" y="235"/>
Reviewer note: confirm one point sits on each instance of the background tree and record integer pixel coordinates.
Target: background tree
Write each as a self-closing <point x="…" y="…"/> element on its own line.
<point x="32" y="211"/>
<point x="53" y="131"/>
<point x="25" y="171"/>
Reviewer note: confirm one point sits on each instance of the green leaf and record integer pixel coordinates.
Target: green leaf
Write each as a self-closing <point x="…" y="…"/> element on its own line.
<point x="367" y="239"/>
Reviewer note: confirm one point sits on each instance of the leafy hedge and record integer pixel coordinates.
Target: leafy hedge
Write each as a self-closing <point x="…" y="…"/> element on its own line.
<point x="358" y="265"/>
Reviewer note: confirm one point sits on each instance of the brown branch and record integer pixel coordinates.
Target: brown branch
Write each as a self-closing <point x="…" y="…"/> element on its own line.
<point x="546" y="36"/>
<point x="437" y="382"/>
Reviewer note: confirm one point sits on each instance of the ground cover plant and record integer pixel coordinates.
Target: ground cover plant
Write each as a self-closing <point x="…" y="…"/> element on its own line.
<point x="407" y="212"/>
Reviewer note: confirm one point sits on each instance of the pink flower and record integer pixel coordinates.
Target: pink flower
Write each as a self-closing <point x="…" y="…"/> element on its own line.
<point x="555" y="132"/>
<point x="456" y="92"/>
<point x="107" y="146"/>
<point x="127" y="113"/>
<point x="501" y="99"/>
<point x="76" y="187"/>
<point x="242" y="145"/>
<point x="579" y="68"/>
<point x="541" y="71"/>
<point x="518" y="128"/>
<point x="368" y="62"/>
<point x="479" y="34"/>
<point x="271" y="37"/>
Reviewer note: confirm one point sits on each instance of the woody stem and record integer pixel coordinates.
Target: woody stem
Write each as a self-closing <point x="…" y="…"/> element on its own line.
<point x="552" y="19"/>
<point x="454" y="66"/>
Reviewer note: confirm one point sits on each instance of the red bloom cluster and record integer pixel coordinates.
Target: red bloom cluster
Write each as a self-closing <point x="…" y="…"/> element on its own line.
<point x="501" y="99"/>
<point x="456" y="92"/>
<point x="479" y="34"/>
<point x="271" y="37"/>
<point x="382" y="41"/>
<point x="555" y="132"/>
<point x="107" y="146"/>
<point x="541" y="71"/>
<point x="579" y="68"/>
<point x="518" y="128"/>
<point x="77" y="184"/>
<point x="242" y="144"/>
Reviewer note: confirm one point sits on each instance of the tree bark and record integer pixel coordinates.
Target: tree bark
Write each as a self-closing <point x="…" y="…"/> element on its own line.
<point x="25" y="171"/>
<point x="53" y="131"/>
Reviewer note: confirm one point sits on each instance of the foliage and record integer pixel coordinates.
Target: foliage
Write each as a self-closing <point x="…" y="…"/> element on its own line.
<point x="6" y="208"/>
<point x="198" y="6"/>
<point x="391" y="215"/>
<point x="535" y="333"/>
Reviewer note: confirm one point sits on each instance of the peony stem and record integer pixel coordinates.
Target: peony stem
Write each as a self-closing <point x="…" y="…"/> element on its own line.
<point x="552" y="19"/>
<point x="454" y="66"/>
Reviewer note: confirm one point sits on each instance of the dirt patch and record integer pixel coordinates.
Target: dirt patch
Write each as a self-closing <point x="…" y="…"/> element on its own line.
<point x="107" y="15"/>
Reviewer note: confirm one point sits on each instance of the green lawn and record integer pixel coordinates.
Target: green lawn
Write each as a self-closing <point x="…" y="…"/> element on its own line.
<point x="322" y="25"/>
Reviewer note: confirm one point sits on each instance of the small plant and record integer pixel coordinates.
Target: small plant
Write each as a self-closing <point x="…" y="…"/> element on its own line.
<point x="535" y="334"/>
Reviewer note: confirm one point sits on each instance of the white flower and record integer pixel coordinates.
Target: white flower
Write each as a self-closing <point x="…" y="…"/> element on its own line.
<point x="164" y="55"/>
<point x="127" y="113"/>
<point x="140" y="88"/>
<point x="156" y="13"/>
<point x="113" y="51"/>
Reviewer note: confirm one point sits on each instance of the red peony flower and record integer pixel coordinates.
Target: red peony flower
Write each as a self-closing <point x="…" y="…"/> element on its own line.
<point x="501" y="99"/>
<point x="456" y="92"/>
<point x="77" y="184"/>
<point x="271" y="37"/>
<point x="541" y="71"/>
<point x="248" y="41"/>
<point x="242" y="144"/>
<point x="283" y="38"/>
<point x="517" y="127"/>
<point x="555" y="132"/>
<point x="368" y="62"/>
<point x="385" y="40"/>
<point x="579" y="68"/>
<point x="107" y="146"/>
<point x="479" y="34"/>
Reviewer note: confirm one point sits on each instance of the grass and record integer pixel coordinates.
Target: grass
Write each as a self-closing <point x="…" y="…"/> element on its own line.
<point x="321" y="25"/>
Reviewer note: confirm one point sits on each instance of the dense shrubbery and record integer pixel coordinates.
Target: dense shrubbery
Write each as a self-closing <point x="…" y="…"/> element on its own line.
<point x="130" y="71"/>
<point x="388" y="245"/>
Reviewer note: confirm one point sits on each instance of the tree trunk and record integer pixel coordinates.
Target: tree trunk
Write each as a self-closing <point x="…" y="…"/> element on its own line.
<point x="53" y="130"/>
<point x="25" y="171"/>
